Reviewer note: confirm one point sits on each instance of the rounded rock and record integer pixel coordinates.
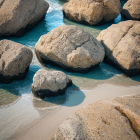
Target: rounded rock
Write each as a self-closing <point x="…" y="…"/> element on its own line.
<point x="112" y="119"/>
<point x="92" y="12"/>
<point x="131" y="10"/>
<point x="15" y="59"/>
<point x="50" y="83"/>
<point x="18" y="16"/>
<point x="122" y="46"/>
<point x="71" y="48"/>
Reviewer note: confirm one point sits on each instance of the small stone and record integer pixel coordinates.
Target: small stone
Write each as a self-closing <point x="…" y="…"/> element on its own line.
<point x="50" y="83"/>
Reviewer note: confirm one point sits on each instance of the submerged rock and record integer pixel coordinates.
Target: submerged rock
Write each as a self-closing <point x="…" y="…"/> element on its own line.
<point x="15" y="59"/>
<point x="131" y="10"/>
<point x="122" y="46"/>
<point x="70" y="47"/>
<point x="92" y="12"/>
<point x="18" y="16"/>
<point x="115" y="119"/>
<point x="50" y="83"/>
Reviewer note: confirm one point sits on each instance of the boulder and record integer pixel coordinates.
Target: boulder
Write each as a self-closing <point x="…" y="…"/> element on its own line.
<point x="70" y="47"/>
<point x="18" y="16"/>
<point x="92" y="12"/>
<point x="112" y="119"/>
<point x="50" y="83"/>
<point x="122" y="46"/>
<point x="15" y="59"/>
<point x="131" y="10"/>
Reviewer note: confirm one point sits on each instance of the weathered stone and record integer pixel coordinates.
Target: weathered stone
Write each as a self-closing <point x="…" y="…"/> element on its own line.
<point x="18" y="16"/>
<point x="92" y="12"/>
<point x="14" y="61"/>
<point x="131" y="10"/>
<point x="122" y="46"/>
<point x="70" y="47"/>
<point x="112" y="119"/>
<point x="50" y="83"/>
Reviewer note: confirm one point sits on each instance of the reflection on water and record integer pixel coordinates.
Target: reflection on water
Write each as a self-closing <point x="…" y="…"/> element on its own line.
<point x="7" y="98"/>
<point x="49" y="102"/>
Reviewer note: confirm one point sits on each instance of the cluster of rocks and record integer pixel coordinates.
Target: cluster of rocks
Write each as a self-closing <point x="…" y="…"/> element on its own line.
<point x="112" y="119"/>
<point x="68" y="46"/>
<point x="15" y="59"/>
<point x="75" y="49"/>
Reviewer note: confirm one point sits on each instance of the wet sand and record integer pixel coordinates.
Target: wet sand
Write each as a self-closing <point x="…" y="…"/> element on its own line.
<point x="46" y="123"/>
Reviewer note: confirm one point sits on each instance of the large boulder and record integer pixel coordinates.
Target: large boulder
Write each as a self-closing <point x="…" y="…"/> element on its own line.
<point x="18" y="16"/>
<point x="14" y="61"/>
<point x="70" y="47"/>
<point x="92" y="12"/>
<point x="122" y="46"/>
<point x="112" y="119"/>
<point x="131" y="10"/>
<point x="50" y="83"/>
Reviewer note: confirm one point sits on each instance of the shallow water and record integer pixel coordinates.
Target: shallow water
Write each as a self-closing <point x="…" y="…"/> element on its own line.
<point x="16" y="100"/>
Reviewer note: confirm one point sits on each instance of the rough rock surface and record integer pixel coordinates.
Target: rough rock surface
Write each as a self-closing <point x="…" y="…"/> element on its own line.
<point x="50" y="83"/>
<point x="122" y="46"/>
<point x="92" y="12"/>
<point x="70" y="47"/>
<point x="18" y="16"/>
<point x="131" y="10"/>
<point x="112" y="119"/>
<point x="14" y="61"/>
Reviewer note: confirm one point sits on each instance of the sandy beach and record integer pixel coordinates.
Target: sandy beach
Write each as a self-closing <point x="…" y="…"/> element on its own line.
<point x="43" y="124"/>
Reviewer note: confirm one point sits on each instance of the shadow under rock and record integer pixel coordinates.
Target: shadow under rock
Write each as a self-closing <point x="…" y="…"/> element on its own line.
<point x="32" y="36"/>
<point x="10" y="93"/>
<point x="72" y="97"/>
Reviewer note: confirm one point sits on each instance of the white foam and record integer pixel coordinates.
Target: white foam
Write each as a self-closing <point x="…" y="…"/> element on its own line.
<point x="50" y="10"/>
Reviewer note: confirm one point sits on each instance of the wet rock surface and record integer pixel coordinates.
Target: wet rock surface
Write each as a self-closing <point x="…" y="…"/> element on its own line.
<point x="50" y="83"/>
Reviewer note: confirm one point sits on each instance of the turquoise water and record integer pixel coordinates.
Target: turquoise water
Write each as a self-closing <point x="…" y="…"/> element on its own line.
<point x="103" y="74"/>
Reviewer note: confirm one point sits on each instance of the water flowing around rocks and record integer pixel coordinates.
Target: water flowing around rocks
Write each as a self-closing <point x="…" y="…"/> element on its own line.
<point x="20" y="111"/>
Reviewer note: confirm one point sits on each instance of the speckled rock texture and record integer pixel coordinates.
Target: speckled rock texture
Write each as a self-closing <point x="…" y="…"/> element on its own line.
<point x="92" y="12"/>
<point x="131" y="10"/>
<point x="15" y="59"/>
<point x="112" y="119"/>
<point x="122" y="46"/>
<point x="18" y="16"/>
<point x="70" y="47"/>
<point x="50" y="83"/>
